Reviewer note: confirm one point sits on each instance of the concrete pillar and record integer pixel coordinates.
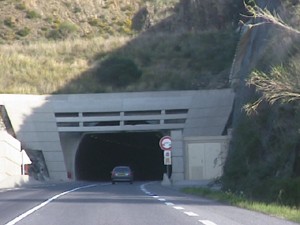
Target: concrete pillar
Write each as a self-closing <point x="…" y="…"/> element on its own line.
<point x="69" y="143"/>
<point x="177" y="155"/>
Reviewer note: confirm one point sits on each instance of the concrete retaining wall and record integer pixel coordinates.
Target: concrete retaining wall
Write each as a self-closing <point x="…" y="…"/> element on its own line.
<point x="10" y="156"/>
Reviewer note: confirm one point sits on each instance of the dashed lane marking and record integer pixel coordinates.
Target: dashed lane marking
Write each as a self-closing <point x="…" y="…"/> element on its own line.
<point x="191" y="214"/>
<point x="169" y="203"/>
<point x="207" y="222"/>
<point x="178" y="207"/>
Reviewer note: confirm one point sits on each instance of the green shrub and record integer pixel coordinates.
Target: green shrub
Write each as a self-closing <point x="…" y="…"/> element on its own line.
<point x="284" y="191"/>
<point x="53" y="34"/>
<point x="20" y="6"/>
<point x="32" y="14"/>
<point x="49" y="19"/>
<point x="67" y="4"/>
<point x="93" y="21"/>
<point x="9" y="22"/>
<point x="23" y="32"/>
<point x="77" y="9"/>
<point x="118" y="71"/>
<point x="67" y="28"/>
<point x="64" y="30"/>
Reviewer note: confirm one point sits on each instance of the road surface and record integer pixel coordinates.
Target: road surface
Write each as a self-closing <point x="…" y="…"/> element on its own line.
<point x="141" y="203"/>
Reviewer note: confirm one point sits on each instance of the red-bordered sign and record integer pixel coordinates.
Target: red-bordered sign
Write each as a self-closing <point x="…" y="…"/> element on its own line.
<point x="165" y="143"/>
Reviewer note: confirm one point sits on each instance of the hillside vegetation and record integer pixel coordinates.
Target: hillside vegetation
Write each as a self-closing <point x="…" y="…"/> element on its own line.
<point x="87" y="46"/>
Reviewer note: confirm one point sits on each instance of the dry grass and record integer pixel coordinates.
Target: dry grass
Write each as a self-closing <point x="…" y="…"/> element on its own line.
<point x="167" y="62"/>
<point x="46" y="67"/>
<point x="171" y="55"/>
<point x="280" y="211"/>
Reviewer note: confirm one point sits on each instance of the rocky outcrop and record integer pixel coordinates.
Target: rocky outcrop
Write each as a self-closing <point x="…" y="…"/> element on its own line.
<point x="262" y="44"/>
<point x="187" y="15"/>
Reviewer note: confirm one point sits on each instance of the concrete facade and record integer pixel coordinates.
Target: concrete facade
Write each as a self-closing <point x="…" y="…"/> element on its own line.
<point x="56" y="124"/>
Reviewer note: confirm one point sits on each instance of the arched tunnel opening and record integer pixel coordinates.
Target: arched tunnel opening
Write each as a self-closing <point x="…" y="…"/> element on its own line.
<point x="99" y="153"/>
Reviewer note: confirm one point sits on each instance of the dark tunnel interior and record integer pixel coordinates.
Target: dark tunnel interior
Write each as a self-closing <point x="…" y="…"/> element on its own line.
<point x="98" y="153"/>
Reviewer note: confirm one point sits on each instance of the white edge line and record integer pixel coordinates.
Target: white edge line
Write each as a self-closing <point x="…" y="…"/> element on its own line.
<point x="22" y="216"/>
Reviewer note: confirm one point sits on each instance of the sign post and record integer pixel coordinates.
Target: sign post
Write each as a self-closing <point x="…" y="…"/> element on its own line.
<point x="165" y="144"/>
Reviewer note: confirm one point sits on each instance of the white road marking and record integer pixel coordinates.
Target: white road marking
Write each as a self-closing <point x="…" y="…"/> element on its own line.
<point x="9" y="189"/>
<point x="178" y="207"/>
<point x="22" y="216"/>
<point x="191" y="214"/>
<point x="169" y="203"/>
<point x="207" y="222"/>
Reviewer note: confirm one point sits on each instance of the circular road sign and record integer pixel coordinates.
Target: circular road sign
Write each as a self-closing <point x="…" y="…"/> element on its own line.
<point x="165" y="143"/>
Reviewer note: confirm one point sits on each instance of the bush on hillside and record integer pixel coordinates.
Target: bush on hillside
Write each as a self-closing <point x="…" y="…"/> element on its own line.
<point x="63" y="31"/>
<point x="23" y="32"/>
<point x="31" y="14"/>
<point x="118" y="71"/>
<point x="10" y="22"/>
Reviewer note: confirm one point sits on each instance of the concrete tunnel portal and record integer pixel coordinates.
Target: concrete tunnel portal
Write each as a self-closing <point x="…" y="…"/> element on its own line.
<point x="62" y="127"/>
<point x="98" y="153"/>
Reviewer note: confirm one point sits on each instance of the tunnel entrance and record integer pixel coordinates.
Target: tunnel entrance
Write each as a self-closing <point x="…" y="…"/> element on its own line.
<point x="97" y="154"/>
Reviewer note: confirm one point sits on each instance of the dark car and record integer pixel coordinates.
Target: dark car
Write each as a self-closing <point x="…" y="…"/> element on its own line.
<point x="122" y="173"/>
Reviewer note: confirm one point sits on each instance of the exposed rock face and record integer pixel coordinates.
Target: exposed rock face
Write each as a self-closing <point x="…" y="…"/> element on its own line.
<point x="255" y="51"/>
<point x="193" y="15"/>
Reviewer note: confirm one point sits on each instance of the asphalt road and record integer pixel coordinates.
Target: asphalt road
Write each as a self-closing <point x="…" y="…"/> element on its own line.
<point x="148" y="203"/>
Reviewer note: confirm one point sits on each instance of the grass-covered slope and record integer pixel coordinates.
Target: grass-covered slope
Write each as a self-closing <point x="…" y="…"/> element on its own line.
<point x="115" y="45"/>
